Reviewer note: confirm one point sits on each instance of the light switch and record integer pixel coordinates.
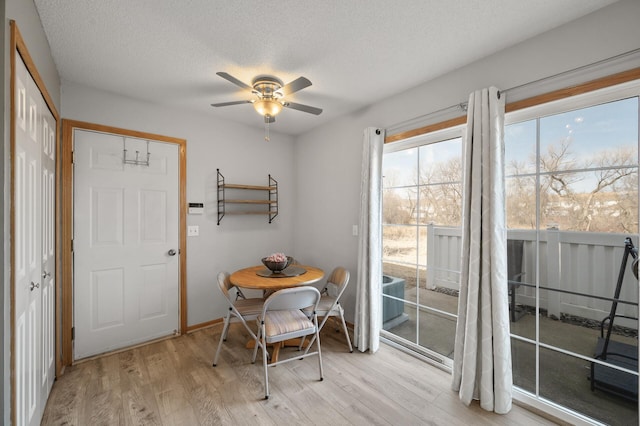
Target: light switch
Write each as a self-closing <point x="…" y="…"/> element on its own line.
<point x="193" y="231"/>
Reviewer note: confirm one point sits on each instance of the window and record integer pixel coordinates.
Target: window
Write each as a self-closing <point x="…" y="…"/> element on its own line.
<point x="571" y="201"/>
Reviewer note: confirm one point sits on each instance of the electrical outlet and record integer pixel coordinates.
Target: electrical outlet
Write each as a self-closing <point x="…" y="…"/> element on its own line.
<point x="193" y="231"/>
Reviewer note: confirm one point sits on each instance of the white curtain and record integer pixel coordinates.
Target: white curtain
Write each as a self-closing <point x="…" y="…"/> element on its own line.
<point x="369" y="285"/>
<point x="482" y="357"/>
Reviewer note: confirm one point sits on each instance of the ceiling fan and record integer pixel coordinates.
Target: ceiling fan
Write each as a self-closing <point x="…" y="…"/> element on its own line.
<point x="269" y="94"/>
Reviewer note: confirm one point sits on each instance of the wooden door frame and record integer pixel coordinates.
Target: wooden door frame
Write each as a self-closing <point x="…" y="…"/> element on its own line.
<point x="66" y="227"/>
<point x="17" y="46"/>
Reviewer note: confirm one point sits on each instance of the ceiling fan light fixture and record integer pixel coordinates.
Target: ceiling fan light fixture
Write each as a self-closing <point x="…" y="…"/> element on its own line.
<point x="269" y="95"/>
<point x="268" y="107"/>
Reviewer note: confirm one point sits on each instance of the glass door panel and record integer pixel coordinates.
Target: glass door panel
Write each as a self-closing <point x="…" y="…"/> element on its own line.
<point x="421" y="245"/>
<point x="572" y="199"/>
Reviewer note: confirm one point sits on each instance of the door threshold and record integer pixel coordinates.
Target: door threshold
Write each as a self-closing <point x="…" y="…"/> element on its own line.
<point x="126" y="348"/>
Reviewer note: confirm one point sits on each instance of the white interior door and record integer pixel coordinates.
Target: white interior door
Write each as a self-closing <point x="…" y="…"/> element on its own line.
<point x="34" y="248"/>
<point x="125" y="244"/>
<point x="48" y="284"/>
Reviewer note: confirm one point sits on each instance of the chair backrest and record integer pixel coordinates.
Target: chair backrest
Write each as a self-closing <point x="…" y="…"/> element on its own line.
<point x="292" y="298"/>
<point x="224" y="281"/>
<point x="515" y="252"/>
<point x="340" y="278"/>
<point x="225" y="284"/>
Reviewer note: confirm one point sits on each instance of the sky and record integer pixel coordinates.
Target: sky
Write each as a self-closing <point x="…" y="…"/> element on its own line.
<point x="400" y="168"/>
<point x="589" y="131"/>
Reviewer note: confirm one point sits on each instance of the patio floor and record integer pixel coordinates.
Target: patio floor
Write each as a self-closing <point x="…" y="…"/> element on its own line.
<point x="563" y="379"/>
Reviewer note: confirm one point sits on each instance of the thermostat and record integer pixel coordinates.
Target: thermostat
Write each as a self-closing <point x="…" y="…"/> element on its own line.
<point x="196" y="208"/>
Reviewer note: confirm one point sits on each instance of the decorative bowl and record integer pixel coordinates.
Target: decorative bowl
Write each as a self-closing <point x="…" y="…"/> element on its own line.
<point x="277" y="267"/>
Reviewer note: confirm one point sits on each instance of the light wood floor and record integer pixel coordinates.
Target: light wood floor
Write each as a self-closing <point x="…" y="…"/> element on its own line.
<point x="172" y="382"/>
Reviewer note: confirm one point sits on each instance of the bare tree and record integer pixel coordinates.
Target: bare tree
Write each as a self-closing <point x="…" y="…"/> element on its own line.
<point x="441" y="193"/>
<point x="596" y="194"/>
<point x="395" y="208"/>
<point x="521" y="200"/>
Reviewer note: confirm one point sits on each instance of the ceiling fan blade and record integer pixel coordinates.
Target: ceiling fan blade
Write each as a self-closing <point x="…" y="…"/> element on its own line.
<point x="234" y="80"/>
<point x="269" y="119"/>
<point x="303" y="108"/>
<point x="221" y="104"/>
<point x="297" y="84"/>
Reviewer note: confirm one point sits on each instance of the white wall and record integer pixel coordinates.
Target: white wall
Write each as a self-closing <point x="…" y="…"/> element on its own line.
<point x="328" y="158"/>
<point x="26" y="16"/>
<point x="241" y="154"/>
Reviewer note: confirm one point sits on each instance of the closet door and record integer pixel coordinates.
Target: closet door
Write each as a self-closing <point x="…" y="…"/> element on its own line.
<point x="48" y="284"/>
<point x="34" y="248"/>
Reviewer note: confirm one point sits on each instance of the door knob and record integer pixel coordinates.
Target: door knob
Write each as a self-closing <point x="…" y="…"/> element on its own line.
<point x="171" y="252"/>
<point x="34" y="286"/>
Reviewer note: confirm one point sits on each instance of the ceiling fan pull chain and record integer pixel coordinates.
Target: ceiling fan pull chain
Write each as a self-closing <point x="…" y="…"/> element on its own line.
<point x="266" y="128"/>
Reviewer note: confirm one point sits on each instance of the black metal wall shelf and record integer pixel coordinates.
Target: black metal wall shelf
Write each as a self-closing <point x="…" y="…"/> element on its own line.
<point x="233" y="189"/>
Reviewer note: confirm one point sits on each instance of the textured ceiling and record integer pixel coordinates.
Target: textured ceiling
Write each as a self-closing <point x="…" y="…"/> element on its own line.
<point x="355" y="52"/>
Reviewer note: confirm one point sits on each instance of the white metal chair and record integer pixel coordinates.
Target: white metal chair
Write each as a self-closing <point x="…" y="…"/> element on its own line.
<point x="240" y="310"/>
<point x="329" y="306"/>
<point x="282" y="319"/>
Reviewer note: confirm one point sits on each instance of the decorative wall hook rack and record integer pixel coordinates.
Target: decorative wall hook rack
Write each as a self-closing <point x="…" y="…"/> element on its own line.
<point x="137" y="161"/>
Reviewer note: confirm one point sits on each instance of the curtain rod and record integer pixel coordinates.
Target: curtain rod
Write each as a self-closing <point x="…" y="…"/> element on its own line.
<point x="398" y="126"/>
<point x="463" y="105"/>
<point x="571" y="71"/>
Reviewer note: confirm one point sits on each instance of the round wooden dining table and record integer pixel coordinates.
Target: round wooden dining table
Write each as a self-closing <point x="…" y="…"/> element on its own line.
<point x="260" y="278"/>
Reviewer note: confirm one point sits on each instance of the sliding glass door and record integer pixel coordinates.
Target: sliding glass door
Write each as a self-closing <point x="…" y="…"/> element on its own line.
<point x="572" y="216"/>
<point x="572" y="208"/>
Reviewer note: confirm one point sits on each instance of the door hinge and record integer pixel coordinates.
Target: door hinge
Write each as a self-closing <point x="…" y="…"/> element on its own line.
<point x="73" y="157"/>
<point x="72" y="246"/>
<point x="73" y="333"/>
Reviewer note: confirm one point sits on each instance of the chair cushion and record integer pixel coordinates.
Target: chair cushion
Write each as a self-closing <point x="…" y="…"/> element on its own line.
<point x="248" y="307"/>
<point x="277" y="323"/>
<point x="324" y="305"/>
